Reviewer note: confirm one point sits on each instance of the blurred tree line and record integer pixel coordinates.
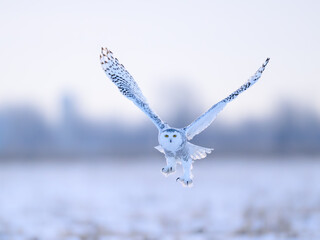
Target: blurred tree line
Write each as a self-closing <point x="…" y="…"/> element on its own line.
<point x="25" y="133"/>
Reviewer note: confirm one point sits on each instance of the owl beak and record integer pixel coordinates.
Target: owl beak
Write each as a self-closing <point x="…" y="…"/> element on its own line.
<point x="171" y="140"/>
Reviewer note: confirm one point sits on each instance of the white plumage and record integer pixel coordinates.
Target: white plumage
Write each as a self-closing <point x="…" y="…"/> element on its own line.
<point x="173" y="141"/>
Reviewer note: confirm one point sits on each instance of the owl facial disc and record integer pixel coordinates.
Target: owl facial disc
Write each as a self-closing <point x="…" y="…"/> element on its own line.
<point x="171" y="139"/>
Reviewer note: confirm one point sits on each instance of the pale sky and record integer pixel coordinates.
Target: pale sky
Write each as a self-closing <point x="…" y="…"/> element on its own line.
<point x="51" y="48"/>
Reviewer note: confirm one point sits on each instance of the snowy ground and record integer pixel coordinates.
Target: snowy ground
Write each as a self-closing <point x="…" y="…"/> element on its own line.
<point x="231" y="199"/>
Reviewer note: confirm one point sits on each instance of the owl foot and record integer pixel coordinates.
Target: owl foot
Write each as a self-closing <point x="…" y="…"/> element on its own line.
<point x="186" y="182"/>
<point x="168" y="170"/>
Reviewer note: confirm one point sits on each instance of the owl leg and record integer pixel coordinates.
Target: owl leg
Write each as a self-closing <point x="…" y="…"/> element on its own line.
<point x="171" y="166"/>
<point x="186" y="179"/>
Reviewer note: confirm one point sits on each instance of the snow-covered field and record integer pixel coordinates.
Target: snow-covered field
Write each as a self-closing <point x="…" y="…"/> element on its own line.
<point x="231" y="199"/>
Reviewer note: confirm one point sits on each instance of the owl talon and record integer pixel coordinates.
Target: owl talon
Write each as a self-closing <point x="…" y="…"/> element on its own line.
<point x="167" y="170"/>
<point x="185" y="182"/>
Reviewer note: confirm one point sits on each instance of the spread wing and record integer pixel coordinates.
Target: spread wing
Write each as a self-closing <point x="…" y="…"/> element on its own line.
<point x="207" y="118"/>
<point x="127" y="86"/>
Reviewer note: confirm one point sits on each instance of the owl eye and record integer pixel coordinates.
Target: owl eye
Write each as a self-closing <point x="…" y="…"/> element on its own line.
<point x="174" y="135"/>
<point x="166" y="135"/>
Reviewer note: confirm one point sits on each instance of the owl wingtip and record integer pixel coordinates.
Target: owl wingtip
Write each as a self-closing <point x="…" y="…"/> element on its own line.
<point x="104" y="49"/>
<point x="266" y="62"/>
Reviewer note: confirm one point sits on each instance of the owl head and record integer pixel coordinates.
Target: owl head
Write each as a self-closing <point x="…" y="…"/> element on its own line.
<point x="171" y="139"/>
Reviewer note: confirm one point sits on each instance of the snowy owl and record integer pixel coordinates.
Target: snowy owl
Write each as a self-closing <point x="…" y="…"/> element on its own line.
<point x="173" y="142"/>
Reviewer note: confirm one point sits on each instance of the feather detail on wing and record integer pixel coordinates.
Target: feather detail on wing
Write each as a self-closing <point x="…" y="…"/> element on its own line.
<point x="127" y="85"/>
<point x="198" y="152"/>
<point x="208" y="117"/>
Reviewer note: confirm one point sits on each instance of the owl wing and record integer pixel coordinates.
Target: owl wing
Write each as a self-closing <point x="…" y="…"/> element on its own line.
<point x="208" y="117"/>
<point x="127" y="85"/>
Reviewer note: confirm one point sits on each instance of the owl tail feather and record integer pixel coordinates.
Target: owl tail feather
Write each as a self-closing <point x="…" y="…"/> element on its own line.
<point x="198" y="152"/>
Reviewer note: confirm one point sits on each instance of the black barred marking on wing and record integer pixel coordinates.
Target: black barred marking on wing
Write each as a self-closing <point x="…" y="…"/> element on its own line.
<point x="119" y="75"/>
<point x="126" y="84"/>
<point x="122" y="85"/>
<point x="248" y="84"/>
<point x="237" y="92"/>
